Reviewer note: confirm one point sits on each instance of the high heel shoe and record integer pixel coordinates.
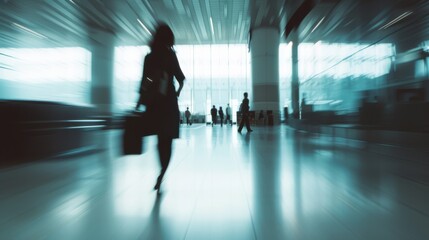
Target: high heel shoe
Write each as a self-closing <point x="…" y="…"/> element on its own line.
<point x="156" y="187"/>
<point x="158" y="183"/>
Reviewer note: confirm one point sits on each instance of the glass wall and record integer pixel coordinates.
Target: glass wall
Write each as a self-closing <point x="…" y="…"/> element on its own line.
<point x="48" y="74"/>
<point x="215" y="75"/>
<point x="333" y="76"/>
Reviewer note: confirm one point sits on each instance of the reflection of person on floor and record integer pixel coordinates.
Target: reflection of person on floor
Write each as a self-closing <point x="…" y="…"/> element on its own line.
<point x="228" y="114"/>
<point x="156" y="228"/>
<point x="221" y="116"/>
<point x="213" y="112"/>
<point x="164" y="107"/>
<point x="188" y="116"/>
<point x="244" y="110"/>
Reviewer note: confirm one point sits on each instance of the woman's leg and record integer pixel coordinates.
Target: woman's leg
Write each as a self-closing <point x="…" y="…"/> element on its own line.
<point x="164" y="151"/>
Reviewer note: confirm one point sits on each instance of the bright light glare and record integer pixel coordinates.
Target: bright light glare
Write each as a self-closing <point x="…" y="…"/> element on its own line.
<point x="38" y="65"/>
<point x="51" y="74"/>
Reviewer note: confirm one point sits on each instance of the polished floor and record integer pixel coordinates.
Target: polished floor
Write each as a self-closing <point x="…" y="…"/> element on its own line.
<point x="274" y="183"/>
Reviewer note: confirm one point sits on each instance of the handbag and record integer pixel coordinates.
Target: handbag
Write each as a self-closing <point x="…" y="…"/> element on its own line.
<point x="131" y="138"/>
<point x="136" y="126"/>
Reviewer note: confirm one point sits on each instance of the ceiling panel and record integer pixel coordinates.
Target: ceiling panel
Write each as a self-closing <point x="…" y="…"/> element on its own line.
<point x="363" y="21"/>
<point x="37" y="23"/>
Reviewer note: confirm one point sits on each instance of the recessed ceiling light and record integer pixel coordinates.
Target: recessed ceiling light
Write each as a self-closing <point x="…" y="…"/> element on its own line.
<point x="399" y="18"/>
<point x="317" y="25"/>
<point x="19" y="26"/>
<point x="144" y="27"/>
<point x="211" y="25"/>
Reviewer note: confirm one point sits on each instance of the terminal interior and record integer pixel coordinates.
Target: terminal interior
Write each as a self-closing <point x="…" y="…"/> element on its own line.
<point x="339" y="107"/>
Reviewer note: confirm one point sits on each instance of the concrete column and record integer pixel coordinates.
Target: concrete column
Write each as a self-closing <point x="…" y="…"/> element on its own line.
<point x="295" y="76"/>
<point x="102" y="63"/>
<point x="264" y="50"/>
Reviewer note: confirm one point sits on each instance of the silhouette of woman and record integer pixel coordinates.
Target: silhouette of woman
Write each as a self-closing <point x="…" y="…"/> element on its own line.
<point x="164" y="107"/>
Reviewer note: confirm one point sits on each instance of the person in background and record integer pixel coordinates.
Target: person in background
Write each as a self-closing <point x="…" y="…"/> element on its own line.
<point x="228" y="114"/>
<point x="164" y="108"/>
<point x="188" y="116"/>
<point x="213" y="112"/>
<point x="244" y="110"/>
<point x="221" y="116"/>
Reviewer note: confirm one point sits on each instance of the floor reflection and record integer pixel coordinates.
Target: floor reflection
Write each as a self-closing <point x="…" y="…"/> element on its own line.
<point x="266" y="170"/>
<point x="295" y="142"/>
<point x="273" y="183"/>
<point x="156" y="228"/>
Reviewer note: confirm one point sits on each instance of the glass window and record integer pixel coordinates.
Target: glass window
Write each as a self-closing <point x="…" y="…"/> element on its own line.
<point x="49" y="74"/>
<point x="332" y="74"/>
<point x="215" y="75"/>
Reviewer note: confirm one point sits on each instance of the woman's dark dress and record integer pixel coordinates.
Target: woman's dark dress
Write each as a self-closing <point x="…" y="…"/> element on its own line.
<point x="164" y="108"/>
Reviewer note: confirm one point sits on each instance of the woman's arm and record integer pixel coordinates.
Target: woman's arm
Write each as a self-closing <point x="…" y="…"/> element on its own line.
<point x="145" y="69"/>
<point x="180" y="88"/>
<point x="180" y="77"/>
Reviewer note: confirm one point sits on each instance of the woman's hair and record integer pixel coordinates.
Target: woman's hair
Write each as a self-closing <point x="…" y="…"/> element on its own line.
<point x="163" y="37"/>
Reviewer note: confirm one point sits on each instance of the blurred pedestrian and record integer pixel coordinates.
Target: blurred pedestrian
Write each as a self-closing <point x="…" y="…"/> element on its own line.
<point x="221" y="116"/>
<point x="160" y="68"/>
<point x="213" y="112"/>
<point x="188" y="116"/>
<point x="244" y="110"/>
